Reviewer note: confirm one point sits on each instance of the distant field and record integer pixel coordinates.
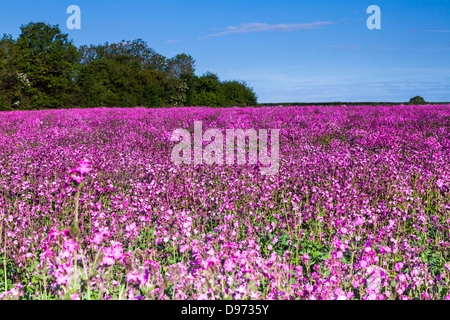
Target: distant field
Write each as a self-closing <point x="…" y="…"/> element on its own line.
<point x="359" y="209"/>
<point x="344" y="103"/>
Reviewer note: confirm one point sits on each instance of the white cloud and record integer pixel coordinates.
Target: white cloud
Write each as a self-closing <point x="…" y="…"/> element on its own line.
<point x="171" y="41"/>
<point x="263" y="27"/>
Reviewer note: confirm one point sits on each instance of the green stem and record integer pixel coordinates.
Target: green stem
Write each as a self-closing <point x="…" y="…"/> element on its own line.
<point x="76" y="204"/>
<point x="4" y="264"/>
<point x="45" y="281"/>
<point x="88" y="278"/>
<point x="75" y="270"/>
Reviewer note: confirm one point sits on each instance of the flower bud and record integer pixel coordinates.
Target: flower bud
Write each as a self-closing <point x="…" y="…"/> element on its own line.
<point x="74" y="230"/>
<point x="127" y="263"/>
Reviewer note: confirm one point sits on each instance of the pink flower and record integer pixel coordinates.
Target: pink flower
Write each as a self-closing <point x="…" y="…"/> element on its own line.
<point x="447" y="266"/>
<point x="305" y="258"/>
<point x="76" y="178"/>
<point x="84" y="167"/>
<point x="115" y="252"/>
<point x="61" y="275"/>
<point x="47" y="253"/>
<point x="229" y="265"/>
<point x="153" y="265"/>
<point x="71" y="245"/>
<point x="74" y="296"/>
<point x="99" y="237"/>
<point x="134" y="277"/>
<point x="184" y="247"/>
<point x="299" y="271"/>
<point x="212" y="262"/>
<point x="108" y="261"/>
<point x="398" y="266"/>
<point x="77" y="174"/>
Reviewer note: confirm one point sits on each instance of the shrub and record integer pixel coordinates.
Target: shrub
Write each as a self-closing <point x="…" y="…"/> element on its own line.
<point x="417" y="100"/>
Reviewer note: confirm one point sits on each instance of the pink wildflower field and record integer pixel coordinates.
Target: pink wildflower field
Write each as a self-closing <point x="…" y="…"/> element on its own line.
<point x="92" y="207"/>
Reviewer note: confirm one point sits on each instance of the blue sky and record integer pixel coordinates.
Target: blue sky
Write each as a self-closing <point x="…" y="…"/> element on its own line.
<point x="288" y="51"/>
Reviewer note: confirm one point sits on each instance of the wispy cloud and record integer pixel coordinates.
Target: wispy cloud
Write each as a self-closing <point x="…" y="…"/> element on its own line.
<point x="410" y="49"/>
<point x="264" y="27"/>
<point x="343" y="47"/>
<point x="172" y="41"/>
<point x="439" y="30"/>
<point x="422" y="71"/>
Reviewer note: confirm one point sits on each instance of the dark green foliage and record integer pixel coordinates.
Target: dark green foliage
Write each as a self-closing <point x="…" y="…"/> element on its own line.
<point x="210" y="91"/>
<point x="45" y="61"/>
<point x="417" y="100"/>
<point x="238" y="94"/>
<point x="175" y="91"/>
<point x="152" y="96"/>
<point x="131" y="51"/>
<point x="14" y="86"/>
<point x="42" y="69"/>
<point x="180" y="65"/>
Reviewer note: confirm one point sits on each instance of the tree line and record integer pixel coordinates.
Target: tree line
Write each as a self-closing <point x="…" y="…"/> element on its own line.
<point x="43" y="69"/>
